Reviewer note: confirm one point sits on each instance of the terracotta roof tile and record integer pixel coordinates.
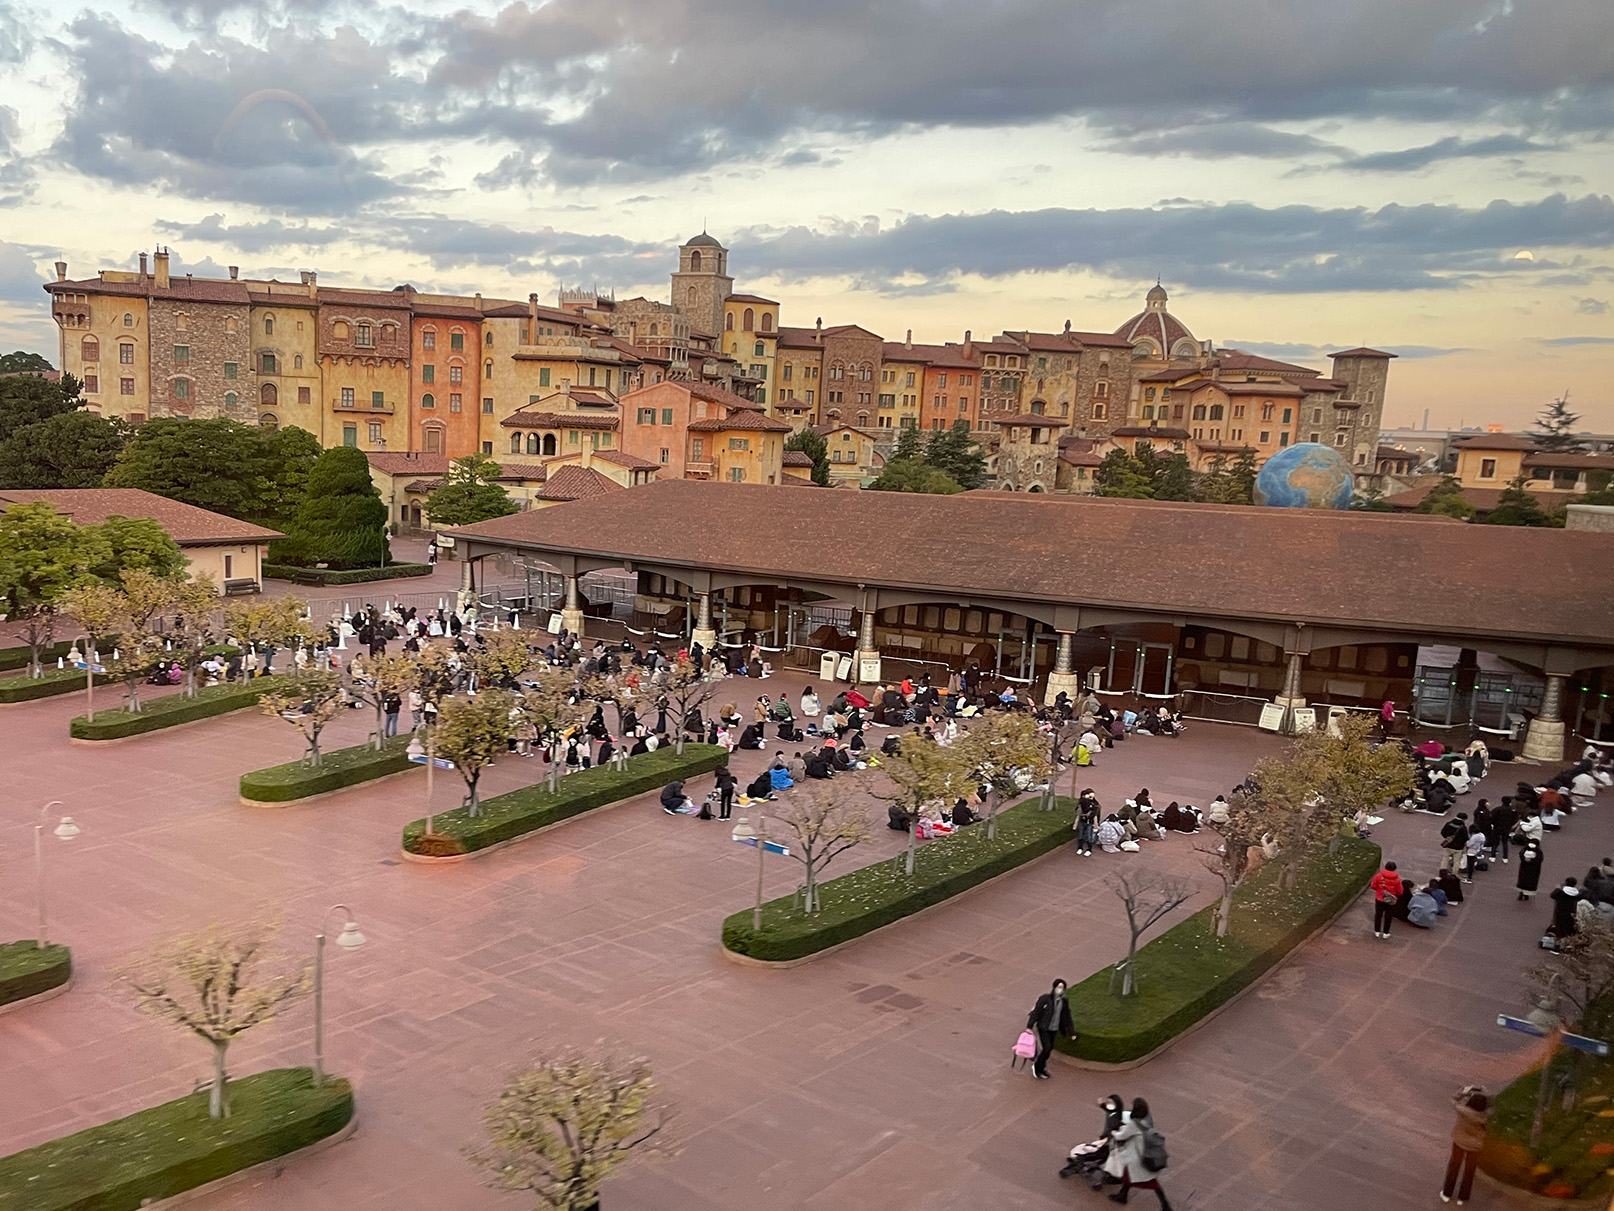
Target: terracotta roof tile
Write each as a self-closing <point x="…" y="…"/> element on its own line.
<point x="535" y="472"/>
<point x="1150" y="431"/>
<point x="1283" y="388"/>
<point x="1495" y="441"/>
<point x="797" y="458"/>
<point x="1571" y="462"/>
<point x="740" y="418"/>
<point x="559" y="420"/>
<point x="1483" y="499"/>
<point x="577" y="483"/>
<point x="409" y="464"/>
<point x="186" y="524"/>
<point x="752" y="298"/>
<point x="1026" y="420"/>
<point x="622" y="458"/>
<point x="1237" y="359"/>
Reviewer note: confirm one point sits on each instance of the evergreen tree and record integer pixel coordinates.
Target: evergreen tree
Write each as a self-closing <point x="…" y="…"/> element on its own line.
<point x="1242" y="477"/>
<point x="1120" y="475"/>
<point x="908" y="446"/>
<point x="69" y="450"/>
<point x="20" y="362"/>
<point x="1173" y="478"/>
<point x="1516" y="507"/>
<point x="814" y="447"/>
<point x="290" y="454"/>
<point x="955" y="453"/>
<point x="468" y="494"/>
<point x="1555" y="428"/>
<point x="911" y="475"/>
<point x="1446" y="499"/>
<point x="221" y="465"/>
<point x="342" y="519"/>
<point x="28" y="399"/>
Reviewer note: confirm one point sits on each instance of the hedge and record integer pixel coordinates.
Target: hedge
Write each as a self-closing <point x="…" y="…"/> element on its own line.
<point x="173" y="710"/>
<point x="330" y="576"/>
<point x="17" y="658"/>
<point x="864" y="900"/>
<point x="337" y="769"/>
<point x="1573" y="1160"/>
<point x="26" y="970"/>
<point x="23" y="688"/>
<point x="1187" y="972"/>
<point x="504" y="817"/>
<point x="165" y="1150"/>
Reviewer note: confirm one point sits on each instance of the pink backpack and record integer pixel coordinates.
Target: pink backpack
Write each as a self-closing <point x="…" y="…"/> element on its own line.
<point x="1025" y="1048"/>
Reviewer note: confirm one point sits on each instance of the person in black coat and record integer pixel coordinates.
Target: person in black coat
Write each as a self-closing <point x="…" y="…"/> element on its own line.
<point x="1049" y="1017"/>
<point x="726" y="782"/>
<point x="897" y="820"/>
<point x="749" y="738"/>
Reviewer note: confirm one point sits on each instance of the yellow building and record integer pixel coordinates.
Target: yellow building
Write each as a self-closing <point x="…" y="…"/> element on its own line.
<point x="285" y="357"/>
<point x="106" y="344"/>
<point x="902" y="384"/>
<point x="852" y="459"/>
<point x="751" y="338"/>
<point x="799" y="362"/>
<point x="1493" y="460"/>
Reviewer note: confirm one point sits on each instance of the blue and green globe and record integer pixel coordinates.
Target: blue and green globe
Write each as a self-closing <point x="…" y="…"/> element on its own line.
<point x="1308" y="476"/>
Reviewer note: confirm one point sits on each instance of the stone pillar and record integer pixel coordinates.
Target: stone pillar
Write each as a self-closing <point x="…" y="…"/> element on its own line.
<point x="1545" y="739"/>
<point x="1063" y="679"/>
<point x="867" y="664"/>
<point x="1290" y="700"/>
<point x="704" y="634"/>
<point x="571" y="616"/>
<point x="467" y="595"/>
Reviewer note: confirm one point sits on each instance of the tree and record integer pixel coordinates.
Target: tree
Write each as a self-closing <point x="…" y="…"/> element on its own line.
<point x="211" y="984"/>
<point x="1582" y="972"/>
<point x="564" y="1124"/>
<point x="269" y="622"/>
<point x="1173" y="478"/>
<point x="908" y="445"/>
<point x="222" y="465"/>
<point x="22" y="362"/>
<point x="1119" y="474"/>
<point x="1555" y="428"/>
<point x="552" y="704"/>
<point x="1371" y="500"/>
<point x="1446" y="499"/>
<point x="374" y="679"/>
<point x="814" y="447"/>
<point x="955" y="453"/>
<point x="499" y="657"/>
<point x="42" y="555"/>
<point x="342" y="520"/>
<point x="925" y="775"/>
<point x="290" y="454"/>
<point x="1006" y="753"/>
<point x="471" y="732"/>
<point x="1516" y="507"/>
<point x="138" y="544"/>
<point x="68" y="450"/>
<point x="195" y="606"/>
<point x="309" y="700"/>
<point x="825" y="821"/>
<point x="687" y="690"/>
<point x="98" y="609"/>
<point x="1241" y="476"/>
<point x="906" y="475"/>
<point x="145" y="597"/>
<point x="28" y="399"/>
<point x="1146" y="899"/>
<point x="467" y="495"/>
<point x="1246" y="832"/>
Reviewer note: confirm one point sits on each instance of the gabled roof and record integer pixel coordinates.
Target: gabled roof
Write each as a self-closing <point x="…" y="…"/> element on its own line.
<point x="622" y="458"/>
<point x="1170" y="376"/>
<point x="752" y="298"/>
<point x="523" y="419"/>
<point x="1237" y="359"/>
<point x="186" y="524"/>
<point x="1571" y="462"/>
<point x="577" y="483"/>
<point x="797" y="458"/>
<point x="408" y="464"/>
<point x="743" y="419"/>
<point x="529" y="472"/>
<point x="852" y="330"/>
<point x="1496" y="441"/>
<point x="799" y="338"/>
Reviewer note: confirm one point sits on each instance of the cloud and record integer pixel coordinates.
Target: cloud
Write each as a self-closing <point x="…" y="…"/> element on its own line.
<point x="1222" y="140"/>
<point x="20" y="279"/>
<point x="1592" y="306"/>
<point x="1567" y="342"/>
<point x="1452" y="148"/>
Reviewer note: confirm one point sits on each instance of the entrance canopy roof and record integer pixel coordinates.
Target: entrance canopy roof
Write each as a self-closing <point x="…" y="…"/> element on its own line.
<point x="1077" y="561"/>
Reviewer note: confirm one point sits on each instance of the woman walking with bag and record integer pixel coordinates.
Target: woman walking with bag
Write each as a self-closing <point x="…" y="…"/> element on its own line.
<point x="1137" y="1153"/>
<point x="1049" y="1017"/>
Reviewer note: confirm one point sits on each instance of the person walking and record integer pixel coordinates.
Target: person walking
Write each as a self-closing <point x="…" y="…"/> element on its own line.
<point x="1473" y="853"/>
<point x="1500" y="834"/>
<point x="1136" y="1153"/>
<point x="1387" y="888"/>
<point x="1453" y="841"/>
<point x="1530" y="857"/>
<point x="1049" y="1017"/>
<point x="1467" y="1138"/>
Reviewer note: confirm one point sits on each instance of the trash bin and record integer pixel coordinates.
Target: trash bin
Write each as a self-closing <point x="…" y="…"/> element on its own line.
<point x="826" y="666"/>
<point x="1335" y="715"/>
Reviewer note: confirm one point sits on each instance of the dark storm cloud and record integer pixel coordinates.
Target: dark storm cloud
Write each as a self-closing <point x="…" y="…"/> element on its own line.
<point x="20" y="279"/>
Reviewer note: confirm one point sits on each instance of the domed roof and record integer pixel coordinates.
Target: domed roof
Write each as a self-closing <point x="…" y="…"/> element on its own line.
<point x="702" y="241"/>
<point x="1155" y="323"/>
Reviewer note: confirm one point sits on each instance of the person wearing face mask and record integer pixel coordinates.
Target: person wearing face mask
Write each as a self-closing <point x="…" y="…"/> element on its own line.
<point x="1049" y="1017"/>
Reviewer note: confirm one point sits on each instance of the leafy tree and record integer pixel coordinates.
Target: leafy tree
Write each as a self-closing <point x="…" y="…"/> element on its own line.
<point x="22" y="362"/>
<point x="98" y="609"/>
<point x="1242" y="475"/>
<point x="1120" y="475"/>
<point x="500" y="657"/>
<point x="221" y="465"/>
<point x="195" y="606"/>
<point x="924" y="777"/>
<point x="375" y="679"/>
<point x="42" y="555"/>
<point x="140" y="651"/>
<point x="138" y="544"/>
<point x="290" y="454"/>
<point x="1555" y="430"/>
<point x="342" y="520"/>
<point x="471" y="732"/>
<point x="1245" y="839"/>
<point x="1173" y="478"/>
<point x="906" y="475"/>
<point x="563" y="1125"/>
<point x="1006" y="753"/>
<point x="824" y="820"/>
<point x="309" y="700"/>
<point x="269" y="622"/>
<point x="1446" y="499"/>
<point x="955" y="453"/>
<point x="211" y="984"/>
<point x="908" y="444"/>
<point x="467" y="495"/>
<point x="28" y="399"/>
<point x="814" y="447"/>
<point x="68" y="450"/>
<point x="1516" y="507"/>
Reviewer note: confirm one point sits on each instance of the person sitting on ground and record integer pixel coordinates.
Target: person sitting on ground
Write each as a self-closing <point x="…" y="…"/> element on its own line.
<point x="798" y="769"/>
<point x="1146" y="826"/>
<point x="673" y="800"/>
<point x="892" y="745"/>
<point x="963" y="815"/>
<point x="1422" y="909"/>
<point x="750" y="738"/>
<point x="641" y="745"/>
<point x="761" y="787"/>
<point x="897" y="820"/>
<point x="1451" y="885"/>
<point x="1219" y="811"/>
<point x="809" y="703"/>
<point x="1111" y="834"/>
<point x="818" y="764"/>
<point x="1179" y="819"/>
<point x="1440" y="898"/>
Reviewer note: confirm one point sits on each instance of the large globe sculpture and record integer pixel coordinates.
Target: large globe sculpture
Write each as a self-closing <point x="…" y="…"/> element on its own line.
<point x="1308" y="476"/>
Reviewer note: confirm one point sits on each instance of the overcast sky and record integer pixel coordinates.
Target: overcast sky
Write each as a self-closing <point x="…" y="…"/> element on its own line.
<point x="1431" y="177"/>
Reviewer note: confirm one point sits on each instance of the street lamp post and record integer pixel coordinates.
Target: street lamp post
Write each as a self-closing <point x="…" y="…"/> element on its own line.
<point x="349" y="939"/>
<point x="65" y="831"/>
<point x="759" y="837"/>
<point x="1545" y="1016"/>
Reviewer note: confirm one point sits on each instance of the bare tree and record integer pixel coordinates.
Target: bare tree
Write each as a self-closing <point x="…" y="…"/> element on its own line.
<point x="1007" y="753"/>
<point x="687" y="690"/>
<point x="1146" y="899"/>
<point x="374" y="679"/>
<point x="307" y="700"/>
<point x="566" y="1123"/>
<point x="1246" y="845"/>
<point x="210" y="984"/>
<point x="824" y="820"/>
<point x="1582" y="972"/>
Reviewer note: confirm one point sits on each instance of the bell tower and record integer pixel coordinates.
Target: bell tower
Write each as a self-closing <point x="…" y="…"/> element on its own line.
<point x="702" y="283"/>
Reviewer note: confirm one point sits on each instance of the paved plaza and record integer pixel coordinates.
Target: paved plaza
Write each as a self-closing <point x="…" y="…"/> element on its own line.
<point x="877" y="1076"/>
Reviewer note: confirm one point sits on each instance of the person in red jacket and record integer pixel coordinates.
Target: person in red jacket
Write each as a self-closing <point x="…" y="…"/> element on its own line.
<point x="1387" y="888"/>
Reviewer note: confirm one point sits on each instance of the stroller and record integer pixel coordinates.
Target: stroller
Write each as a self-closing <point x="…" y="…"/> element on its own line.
<point x="1087" y="1160"/>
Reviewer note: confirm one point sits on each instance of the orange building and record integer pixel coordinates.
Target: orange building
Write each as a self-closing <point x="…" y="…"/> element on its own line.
<point x="693" y="431"/>
<point x="444" y="382"/>
<point x="952" y="390"/>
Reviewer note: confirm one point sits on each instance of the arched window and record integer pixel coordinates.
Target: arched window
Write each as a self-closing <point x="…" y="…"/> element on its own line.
<point x="268" y="396"/>
<point x="231" y="399"/>
<point x="652" y="329"/>
<point x="549" y="443"/>
<point x="229" y="324"/>
<point x="128" y="320"/>
<point x="767" y="322"/>
<point x="515" y="443"/>
<point x="748" y="321"/>
<point x="268" y="325"/>
<point x="488" y="340"/>
<point x="1199" y="411"/>
<point x="339" y="330"/>
<point x="297" y="362"/>
<point x="532" y="443"/>
<point x="487" y="369"/>
<point x="90" y="349"/>
<point x="694" y="262"/>
<point x="428" y="338"/>
<point x="728" y="321"/>
<point x="1216" y="411"/>
<point x="268" y="420"/>
<point x="690" y="294"/>
<point x="862" y="420"/>
<point x="426" y="401"/>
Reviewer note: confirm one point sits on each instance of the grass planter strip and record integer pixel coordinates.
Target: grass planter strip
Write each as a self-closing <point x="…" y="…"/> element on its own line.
<point x="330" y="576"/>
<point x="174" y="710"/>
<point x="1187" y="972"/>
<point x="342" y="768"/>
<point x="1572" y="1164"/>
<point x="55" y="682"/>
<point x="26" y="970"/>
<point x="506" y="817"/>
<point x="865" y="900"/>
<point x="168" y="1149"/>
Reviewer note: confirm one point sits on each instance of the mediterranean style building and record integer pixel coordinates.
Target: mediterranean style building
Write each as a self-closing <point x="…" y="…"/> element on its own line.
<point x="409" y="372"/>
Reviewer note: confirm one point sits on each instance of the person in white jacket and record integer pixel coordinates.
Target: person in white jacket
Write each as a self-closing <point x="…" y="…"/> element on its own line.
<point x="1125" y="1160"/>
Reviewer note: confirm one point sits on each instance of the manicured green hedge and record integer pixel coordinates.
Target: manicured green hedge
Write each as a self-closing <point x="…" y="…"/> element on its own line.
<point x="168" y="1149"/>
<point x="863" y="900"/>
<point x="505" y="816"/>
<point x="1187" y="971"/>
<point x="330" y="576"/>
<point x="174" y="709"/>
<point x="343" y="767"/>
<point x="26" y="970"/>
<point x="17" y="658"/>
<point x="1565" y="1166"/>
<point x="23" y="688"/>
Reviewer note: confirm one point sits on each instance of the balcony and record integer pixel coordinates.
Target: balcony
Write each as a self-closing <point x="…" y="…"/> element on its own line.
<point x="700" y="470"/>
<point x="365" y="404"/>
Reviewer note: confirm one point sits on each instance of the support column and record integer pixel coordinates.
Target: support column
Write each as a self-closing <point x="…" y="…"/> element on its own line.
<point x="1545" y="739"/>
<point x="1290" y="700"/>
<point x="867" y="671"/>
<point x="704" y="633"/>
<point x="1064" y="679"/>
<point x="466" y="605"/>
<point x="571" y="616"/>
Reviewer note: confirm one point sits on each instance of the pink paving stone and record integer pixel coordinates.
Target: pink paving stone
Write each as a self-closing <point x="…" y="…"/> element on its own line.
<point x="876" y="1076"/>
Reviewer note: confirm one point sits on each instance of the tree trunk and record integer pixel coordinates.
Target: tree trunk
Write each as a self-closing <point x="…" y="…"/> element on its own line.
<point x="992" y="804"/>
<point x="1129" y="982"/>
<point x="134" y="697"/>
<point x="1224" y="910"/>
<point x="380" y="721"/>
<point x="470" y="784"/>
<point x="217" y="1105"/>
<point x="313" y="751"/>
<point x="913" y="839"/>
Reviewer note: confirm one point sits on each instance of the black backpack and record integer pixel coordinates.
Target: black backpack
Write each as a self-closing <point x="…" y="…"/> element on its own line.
<point x="1154" y="1151"/>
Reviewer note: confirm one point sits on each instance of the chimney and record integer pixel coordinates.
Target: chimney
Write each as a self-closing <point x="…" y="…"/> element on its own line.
<point x="907" y="342"/>
<point x="160" y="260"/>
<point x="312" y="280"/>
<point x="479" y="300"/>
<point x="61" y="270"/>
<point x="818" y="331"/>
<point x="235" y="273"/>
<point x="532" y="312"/>
<point x="969" y="346"/>
<point x="1067" y="327"/>
<point x="142" y="264"/>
